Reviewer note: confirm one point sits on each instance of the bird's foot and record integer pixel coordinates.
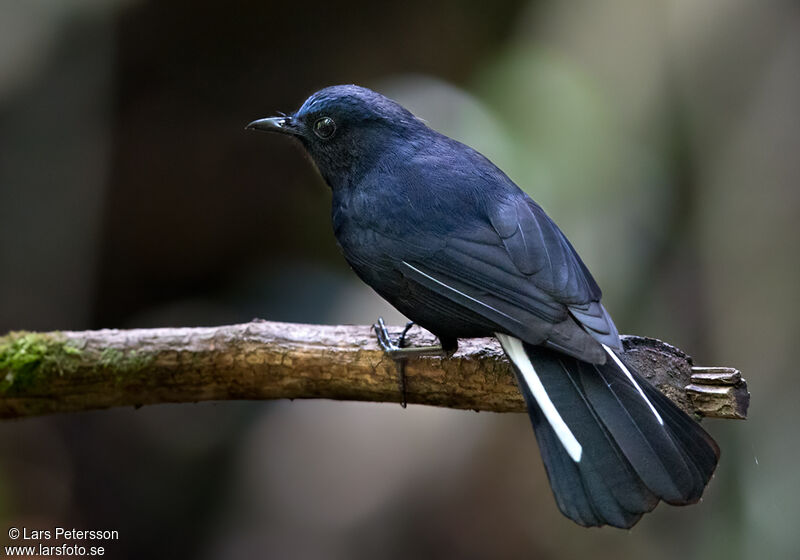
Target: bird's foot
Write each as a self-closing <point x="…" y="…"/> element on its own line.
<point x="398" y="352"/>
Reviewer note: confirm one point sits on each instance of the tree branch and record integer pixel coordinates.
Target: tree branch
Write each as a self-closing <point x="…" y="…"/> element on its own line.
<point x="43" y="373"/>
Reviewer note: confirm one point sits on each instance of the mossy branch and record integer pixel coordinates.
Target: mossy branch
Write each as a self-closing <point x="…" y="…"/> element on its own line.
<point x="43" y="373"/>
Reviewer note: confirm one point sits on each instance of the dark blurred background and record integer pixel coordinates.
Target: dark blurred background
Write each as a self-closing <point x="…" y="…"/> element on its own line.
<point x="662" y="136"/>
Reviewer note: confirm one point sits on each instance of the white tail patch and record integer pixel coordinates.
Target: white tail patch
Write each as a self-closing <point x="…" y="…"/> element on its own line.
<point x="628" y="373"/>
<point x="516" y="352"/>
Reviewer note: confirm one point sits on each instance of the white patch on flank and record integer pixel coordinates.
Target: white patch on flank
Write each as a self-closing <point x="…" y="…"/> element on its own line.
<point x="515" y="350"/>
<point x="623" y="368"/>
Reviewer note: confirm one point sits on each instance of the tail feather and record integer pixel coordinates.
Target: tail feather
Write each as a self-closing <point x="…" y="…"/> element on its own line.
<point x="646" y="444"/>
<point x="700" y="450"/>
<point x="580" y="491"/>
<point x="562" y="471"/>
<point x="637" y="446"/>
<point x="604" y="455"/>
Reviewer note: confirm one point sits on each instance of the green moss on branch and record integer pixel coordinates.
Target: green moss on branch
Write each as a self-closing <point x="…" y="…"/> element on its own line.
<point x="30" y="359"/>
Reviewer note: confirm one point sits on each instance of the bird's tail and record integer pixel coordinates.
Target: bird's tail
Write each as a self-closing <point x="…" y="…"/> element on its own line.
<point x="612" y="444"/>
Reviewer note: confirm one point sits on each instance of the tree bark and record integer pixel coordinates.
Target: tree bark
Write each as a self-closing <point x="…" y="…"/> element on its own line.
<point x="43" y="373"/>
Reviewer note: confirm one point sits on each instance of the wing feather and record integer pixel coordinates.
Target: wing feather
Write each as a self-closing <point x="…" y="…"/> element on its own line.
<point x="518" y="269"/>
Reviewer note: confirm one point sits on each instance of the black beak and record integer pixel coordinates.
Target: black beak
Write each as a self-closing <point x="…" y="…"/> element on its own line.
<point x="283" y="125"/>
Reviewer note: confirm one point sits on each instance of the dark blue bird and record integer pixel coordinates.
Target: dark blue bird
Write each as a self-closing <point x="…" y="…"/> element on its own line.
<point x="449" y="240"/>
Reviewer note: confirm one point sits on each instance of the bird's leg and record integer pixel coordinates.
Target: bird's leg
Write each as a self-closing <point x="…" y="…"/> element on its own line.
<point x="400" y="354"/>
<point x="401" y="342"/>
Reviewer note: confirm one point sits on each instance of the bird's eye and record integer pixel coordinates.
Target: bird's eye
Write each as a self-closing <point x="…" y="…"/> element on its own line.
<point x="324" y="127"/>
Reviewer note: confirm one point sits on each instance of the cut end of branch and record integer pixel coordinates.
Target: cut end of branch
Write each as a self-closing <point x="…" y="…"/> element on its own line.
<point x="719" y="391"/>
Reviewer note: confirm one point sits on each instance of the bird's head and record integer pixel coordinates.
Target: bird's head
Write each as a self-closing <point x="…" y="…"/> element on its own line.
<point x="344" y="129"/>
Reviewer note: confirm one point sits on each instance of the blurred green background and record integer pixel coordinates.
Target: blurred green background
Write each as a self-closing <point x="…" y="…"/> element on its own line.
<point x="664" y="138"/>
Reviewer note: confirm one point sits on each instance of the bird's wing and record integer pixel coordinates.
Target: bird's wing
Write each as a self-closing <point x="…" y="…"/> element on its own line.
<point x="516" y="268"/>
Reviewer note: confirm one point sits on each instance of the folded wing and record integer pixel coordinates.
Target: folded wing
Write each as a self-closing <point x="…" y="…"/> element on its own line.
<point x="518" y="269"/>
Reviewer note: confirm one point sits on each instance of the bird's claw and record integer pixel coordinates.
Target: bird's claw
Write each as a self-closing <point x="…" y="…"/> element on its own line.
<point x="398" y="352"/>
<point x="384" y="340"/>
